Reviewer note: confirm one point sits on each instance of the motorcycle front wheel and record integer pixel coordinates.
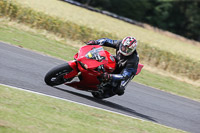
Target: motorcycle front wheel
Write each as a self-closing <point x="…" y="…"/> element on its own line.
<point x="55" y="76"/>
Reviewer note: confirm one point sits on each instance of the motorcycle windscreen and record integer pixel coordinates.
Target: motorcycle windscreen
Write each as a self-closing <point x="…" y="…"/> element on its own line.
<point x="92" y="56"/>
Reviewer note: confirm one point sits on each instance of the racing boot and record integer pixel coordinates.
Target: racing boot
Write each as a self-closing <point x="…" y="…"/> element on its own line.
<point x="119" y="90"/>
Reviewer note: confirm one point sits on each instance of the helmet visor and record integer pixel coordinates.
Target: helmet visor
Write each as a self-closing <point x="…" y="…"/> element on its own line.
<point x="125" y="50"/>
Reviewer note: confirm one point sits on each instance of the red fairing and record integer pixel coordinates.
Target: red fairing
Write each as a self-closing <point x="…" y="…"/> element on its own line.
<point x="85" y="55"/>
<point x="111" y="65"/>
<point x="90" y="62"/>
<point x="89" y="59"/>
<point x="74" y="72"/>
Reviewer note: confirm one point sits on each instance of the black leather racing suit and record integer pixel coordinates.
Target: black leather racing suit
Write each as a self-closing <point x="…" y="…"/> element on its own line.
<point x="126" y="65"/>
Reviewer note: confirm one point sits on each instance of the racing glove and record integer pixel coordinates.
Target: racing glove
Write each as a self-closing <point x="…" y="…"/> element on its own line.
<point x="91" y="42"/>
<point x="105" y="77"/>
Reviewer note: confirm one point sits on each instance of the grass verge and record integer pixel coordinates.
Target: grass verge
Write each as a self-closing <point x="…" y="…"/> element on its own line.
<point x="168" y="84"/>
<point x="36" y="42"/>
<point x="27" y="112"/>
<point x="59" y="49"/>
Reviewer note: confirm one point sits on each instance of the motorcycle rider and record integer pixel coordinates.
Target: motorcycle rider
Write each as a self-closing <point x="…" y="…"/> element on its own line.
<point x="127" y="61"/>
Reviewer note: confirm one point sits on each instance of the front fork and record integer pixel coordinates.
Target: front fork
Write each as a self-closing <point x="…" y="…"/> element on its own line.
<point x="73" y="70"/>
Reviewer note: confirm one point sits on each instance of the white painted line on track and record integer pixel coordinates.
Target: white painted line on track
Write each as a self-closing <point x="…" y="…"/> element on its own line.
<point x="67" y="100"/>
<point x="81" y="104"/>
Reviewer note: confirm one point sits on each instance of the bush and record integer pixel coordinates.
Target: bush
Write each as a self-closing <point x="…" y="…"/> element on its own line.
<point x="169" y="61"/>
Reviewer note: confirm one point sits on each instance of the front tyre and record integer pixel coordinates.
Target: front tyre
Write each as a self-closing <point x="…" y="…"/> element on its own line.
<point x="56" y="75"/>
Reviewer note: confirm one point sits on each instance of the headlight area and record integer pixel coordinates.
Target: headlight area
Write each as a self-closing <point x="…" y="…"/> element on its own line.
<point x="84" y="66"/>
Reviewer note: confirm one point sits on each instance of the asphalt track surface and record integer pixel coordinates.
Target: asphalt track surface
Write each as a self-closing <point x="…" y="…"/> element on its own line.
<point x="26" y="69"/>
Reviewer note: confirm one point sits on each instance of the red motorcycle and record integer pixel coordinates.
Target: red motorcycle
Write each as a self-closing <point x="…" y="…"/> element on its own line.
<point x="84" y="72"/>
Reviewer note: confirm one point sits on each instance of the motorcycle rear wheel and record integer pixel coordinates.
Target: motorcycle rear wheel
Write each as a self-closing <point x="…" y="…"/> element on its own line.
<point x="97" y="95"/>
<point x="103" y="95"/>
<point x="55" y="76"/>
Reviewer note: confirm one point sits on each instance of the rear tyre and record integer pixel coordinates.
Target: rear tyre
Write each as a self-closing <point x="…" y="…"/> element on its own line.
<point x="103" y="95"/>
<point x="97" y="95"/>
<point x="56" y="75"/>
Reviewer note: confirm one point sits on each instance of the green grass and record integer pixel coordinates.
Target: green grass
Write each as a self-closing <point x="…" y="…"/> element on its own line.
<point x="38" y="42"/>
<point x="22" y="112"/>
<point x="121" y="29"/>
<point x="168" y="84"/>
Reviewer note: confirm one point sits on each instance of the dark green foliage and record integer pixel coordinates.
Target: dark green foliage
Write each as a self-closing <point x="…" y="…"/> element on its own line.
<point x="178" y="16"/>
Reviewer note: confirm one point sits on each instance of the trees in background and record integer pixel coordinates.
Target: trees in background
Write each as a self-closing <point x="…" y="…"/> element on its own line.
<point x="178" y="16"/>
